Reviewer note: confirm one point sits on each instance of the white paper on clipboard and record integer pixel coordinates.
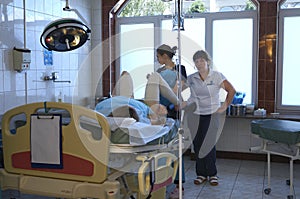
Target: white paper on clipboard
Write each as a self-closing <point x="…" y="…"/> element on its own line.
<point x="45" y="137"/>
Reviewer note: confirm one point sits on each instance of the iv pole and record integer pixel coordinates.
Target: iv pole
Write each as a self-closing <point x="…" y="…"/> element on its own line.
<point x="180" y="130"/>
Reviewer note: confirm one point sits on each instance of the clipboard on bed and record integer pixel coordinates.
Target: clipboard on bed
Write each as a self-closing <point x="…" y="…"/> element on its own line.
<point x="46" y="141"/>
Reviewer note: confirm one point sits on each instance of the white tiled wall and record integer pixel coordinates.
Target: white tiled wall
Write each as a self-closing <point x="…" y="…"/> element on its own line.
<point x="77" y="65"/>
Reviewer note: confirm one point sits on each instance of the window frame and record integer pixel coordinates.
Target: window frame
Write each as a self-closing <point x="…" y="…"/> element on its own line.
<point x="209" y="18"/>
<point x="283" y="109"/>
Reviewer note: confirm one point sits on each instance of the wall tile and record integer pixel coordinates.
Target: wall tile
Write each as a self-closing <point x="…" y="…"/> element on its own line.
<point x="261" y="90"/>
<point x="272" y="8"/>
<point x="31" y="79"/>
<point x="1" y="81"/>
<point x="7" y="81"/>
<point x="74" y="59"/>
<point x="262" y="70"/>
<point x="31" y="96"/>
<point x="271" y="69"/>
<point x="30" y="39"/>
<point x="267" y="52"/>
<point x="13" y="99"/>
<point x="39" y="13"/>
<point x="270" y="25"/>
<point x="39" y="6"/>
<point x="19" y="81"/>
<point x="270" y="90"/>
<point x="2" y="109"/>
<point x="263" y="9"/>
<point x="270" y="106"/>
<point x="7" y="59"/>
<point x="1" y="58"/>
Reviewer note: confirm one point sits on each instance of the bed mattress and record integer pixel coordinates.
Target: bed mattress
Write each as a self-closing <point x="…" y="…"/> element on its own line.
<point x="283" y="131"/>
<point x="121" y="135"/>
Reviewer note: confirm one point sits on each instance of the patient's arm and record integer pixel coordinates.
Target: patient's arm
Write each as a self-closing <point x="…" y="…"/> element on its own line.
<point x="156" y="85"/>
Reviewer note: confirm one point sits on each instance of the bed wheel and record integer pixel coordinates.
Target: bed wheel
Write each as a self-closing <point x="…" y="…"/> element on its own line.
<point x="267" y="191"/>
<point x="288" y="182"/>
<point x="290" y="197"/>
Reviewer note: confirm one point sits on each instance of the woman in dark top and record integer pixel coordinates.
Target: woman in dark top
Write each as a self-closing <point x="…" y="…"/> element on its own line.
<point x="170" y="72"/>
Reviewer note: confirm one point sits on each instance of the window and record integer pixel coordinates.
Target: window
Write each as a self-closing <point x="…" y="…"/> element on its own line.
<point x="226" y="30"/>
<point x="137" y="53"/>
<point x="290" y="4"/>
<point x="233" y="52"/>
<point x="288" y="100"/>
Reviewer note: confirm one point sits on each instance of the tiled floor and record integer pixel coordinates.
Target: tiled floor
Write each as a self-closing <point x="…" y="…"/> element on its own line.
<point x="238" y="179"/>
<point x="242" y="179"/>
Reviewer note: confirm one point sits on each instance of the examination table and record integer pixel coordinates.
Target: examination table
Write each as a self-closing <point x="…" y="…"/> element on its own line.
<point x="279" y="137"/>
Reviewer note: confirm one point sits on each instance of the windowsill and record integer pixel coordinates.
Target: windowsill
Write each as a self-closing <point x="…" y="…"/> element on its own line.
<point x="250" y="116"/>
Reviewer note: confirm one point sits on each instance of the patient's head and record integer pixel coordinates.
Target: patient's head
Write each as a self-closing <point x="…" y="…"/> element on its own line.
<point x="159" y="115"/>
<point x="125" y="111"/>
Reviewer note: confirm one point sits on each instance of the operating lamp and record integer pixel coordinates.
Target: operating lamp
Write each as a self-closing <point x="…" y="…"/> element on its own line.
<point x="65" y="34"/>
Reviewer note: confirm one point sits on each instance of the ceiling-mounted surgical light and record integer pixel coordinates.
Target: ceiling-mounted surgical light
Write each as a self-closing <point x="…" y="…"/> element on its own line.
<point x="64" y="35"/>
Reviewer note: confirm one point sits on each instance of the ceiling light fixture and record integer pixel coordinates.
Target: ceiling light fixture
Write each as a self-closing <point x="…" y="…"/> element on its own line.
<point x="65" y="34"/>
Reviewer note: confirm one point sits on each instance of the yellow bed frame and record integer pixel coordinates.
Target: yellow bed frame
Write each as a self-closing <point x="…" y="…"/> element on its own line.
<point x="85" y="173"/>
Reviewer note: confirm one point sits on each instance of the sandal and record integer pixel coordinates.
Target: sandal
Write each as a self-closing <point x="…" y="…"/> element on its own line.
<point x="213" y="181"/>
<point x="199" y="180"/>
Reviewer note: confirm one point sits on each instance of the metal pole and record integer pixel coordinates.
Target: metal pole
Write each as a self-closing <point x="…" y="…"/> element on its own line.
<point x="180" y="131"/>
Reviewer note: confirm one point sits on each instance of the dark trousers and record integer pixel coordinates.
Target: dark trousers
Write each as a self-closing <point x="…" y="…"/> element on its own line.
<point x="204" y="143"/>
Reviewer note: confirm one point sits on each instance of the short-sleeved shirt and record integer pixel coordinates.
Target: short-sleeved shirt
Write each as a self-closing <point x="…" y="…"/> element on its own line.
<point x="205" y="93"/>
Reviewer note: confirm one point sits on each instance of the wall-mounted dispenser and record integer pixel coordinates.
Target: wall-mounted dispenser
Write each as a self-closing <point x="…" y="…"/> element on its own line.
<point x="21" y="58"/>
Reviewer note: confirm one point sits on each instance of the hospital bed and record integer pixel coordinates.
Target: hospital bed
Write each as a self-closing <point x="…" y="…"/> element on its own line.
<point x="49" y="149"/>
<point x="279" y="137"/>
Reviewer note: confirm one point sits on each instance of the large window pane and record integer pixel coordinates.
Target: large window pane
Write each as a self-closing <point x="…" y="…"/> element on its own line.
<point x="291" y="62"/>
<point x="136" y="54"/>
<point x="232" y="52"/>
<point x="192" y="38"/>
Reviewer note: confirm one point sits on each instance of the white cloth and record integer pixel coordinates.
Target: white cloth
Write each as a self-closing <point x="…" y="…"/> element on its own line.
<point x="139" y="133"/>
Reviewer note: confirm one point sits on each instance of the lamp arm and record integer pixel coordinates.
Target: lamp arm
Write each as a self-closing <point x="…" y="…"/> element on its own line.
<point x="79" y="15"/>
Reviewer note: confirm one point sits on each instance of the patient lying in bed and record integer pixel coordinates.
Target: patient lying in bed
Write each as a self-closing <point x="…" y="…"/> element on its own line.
<point x="120" y="106"/>
<point x="150" y="112"/>
<point x="135" y="120"/>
